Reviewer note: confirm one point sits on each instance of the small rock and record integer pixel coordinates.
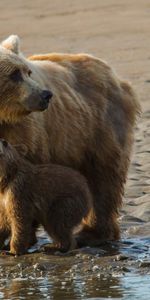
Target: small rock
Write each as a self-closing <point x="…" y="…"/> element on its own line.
<point x="125" y="269"/>
<point x="144" y="264"/>
<point x="95" y="268"/>
<point x="121" y="257"/>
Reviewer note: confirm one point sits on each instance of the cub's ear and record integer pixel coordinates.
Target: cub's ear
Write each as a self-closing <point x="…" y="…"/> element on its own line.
<point x="12" y="43"/>
<point x="22" y="149"/>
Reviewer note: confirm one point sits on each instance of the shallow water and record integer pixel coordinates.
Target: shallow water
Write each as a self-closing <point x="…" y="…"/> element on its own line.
<point x="114" y="270"/>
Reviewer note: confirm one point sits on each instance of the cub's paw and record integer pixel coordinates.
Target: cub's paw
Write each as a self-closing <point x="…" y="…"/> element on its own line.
<point x="17" y="249"/>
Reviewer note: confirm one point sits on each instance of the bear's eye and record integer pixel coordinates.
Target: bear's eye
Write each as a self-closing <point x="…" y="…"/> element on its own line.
<point x="29" y="73"/>
<point x="16" y="75"/>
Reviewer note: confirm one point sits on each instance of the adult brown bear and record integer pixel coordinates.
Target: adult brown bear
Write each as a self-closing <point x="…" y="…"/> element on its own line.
<point x="87" y="126"/>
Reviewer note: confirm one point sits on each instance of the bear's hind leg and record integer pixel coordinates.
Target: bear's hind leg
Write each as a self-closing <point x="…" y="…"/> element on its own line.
<point x="101" y="224"/>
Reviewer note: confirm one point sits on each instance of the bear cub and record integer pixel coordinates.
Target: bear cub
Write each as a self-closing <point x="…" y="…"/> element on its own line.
<point x="54" y="196"/>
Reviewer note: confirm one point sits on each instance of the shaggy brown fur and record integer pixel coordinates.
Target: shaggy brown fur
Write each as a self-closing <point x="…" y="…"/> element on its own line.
<point x="56" y="197"/>
<point x="88" y="125"/>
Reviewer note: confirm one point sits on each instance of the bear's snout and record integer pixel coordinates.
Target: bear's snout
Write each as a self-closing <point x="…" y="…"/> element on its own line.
<point x="38" y="100"/>
<point x="45" y="96"/>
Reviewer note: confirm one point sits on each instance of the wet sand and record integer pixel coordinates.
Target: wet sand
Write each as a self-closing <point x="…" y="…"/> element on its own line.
<point x="118" y="32"/>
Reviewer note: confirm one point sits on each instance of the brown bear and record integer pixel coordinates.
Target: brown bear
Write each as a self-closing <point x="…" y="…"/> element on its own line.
<point x="88" y="124"/>
<point x="55" y="196"/>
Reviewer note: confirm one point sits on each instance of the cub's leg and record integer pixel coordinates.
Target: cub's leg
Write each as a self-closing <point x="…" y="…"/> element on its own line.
<point x="63" y="216"/>
<point x="4" y="234"/>
<point x="33" y="238"/>
<point x="20" y="217"/>
<point x="4" y="228"/>
<point x="20" y="237"/>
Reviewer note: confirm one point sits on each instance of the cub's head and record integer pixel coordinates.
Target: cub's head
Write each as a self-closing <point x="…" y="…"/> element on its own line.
<point x="11" y="158"/>
<point x="19" y="93"/>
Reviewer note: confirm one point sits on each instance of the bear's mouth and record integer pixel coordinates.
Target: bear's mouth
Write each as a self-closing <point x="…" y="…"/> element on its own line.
<point x="43" y="105"/>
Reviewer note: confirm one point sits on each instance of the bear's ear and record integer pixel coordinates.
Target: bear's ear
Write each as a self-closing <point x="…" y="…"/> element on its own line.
<point x="12" y="43"/>
<point x="22" y="149"/>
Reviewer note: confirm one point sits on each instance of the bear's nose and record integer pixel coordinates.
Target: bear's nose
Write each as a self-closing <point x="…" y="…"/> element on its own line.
<point x="46" y="95"/>
<point x="5" y="144"/>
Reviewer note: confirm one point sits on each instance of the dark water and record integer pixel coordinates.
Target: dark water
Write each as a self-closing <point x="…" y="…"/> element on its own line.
<point x="113" y="271"/>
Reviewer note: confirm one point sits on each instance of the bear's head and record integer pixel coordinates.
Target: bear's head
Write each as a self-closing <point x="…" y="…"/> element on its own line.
<point x="19" y="93"/>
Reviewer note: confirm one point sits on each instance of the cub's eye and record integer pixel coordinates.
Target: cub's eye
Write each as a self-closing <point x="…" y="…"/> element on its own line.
<point x="29" y="73"/>
<point x="16" y="75"/>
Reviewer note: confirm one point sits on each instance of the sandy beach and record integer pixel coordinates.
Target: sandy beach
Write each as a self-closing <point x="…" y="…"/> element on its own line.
<point x="118" y="32"/>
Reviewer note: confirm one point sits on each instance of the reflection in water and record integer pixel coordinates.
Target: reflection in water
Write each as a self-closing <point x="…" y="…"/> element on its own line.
<point x="70" y="289"/>
<point x="86" y="274"/>
<point x="27" y="289"/>
<point x="136" y="287"/>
